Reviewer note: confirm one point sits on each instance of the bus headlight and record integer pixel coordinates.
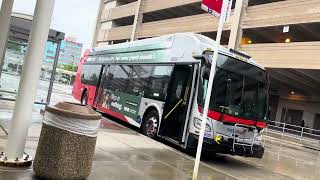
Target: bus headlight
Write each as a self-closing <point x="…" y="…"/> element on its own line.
<point x="197" y="124"/>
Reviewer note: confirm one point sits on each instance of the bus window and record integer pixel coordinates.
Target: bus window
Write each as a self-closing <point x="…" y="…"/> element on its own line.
<point x="140" y="79"/>
<point x="236" y="95"/>
<point x="159" y="82"/>
<point x="254" y="96"/>
<point x="90" y="74"/>
<point x="118" y="78"/>
<point x="162" y="70"/>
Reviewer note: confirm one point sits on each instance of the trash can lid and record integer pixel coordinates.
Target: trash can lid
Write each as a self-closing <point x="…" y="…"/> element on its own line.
<point x="73" y="110"/>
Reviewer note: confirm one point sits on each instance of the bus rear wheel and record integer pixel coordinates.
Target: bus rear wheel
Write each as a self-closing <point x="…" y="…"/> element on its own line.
<point x="84" y="98"/>
<point x="150" y="124"/>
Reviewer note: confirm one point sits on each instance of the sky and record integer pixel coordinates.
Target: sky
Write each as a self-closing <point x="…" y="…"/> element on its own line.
<point x="76" y="18"/>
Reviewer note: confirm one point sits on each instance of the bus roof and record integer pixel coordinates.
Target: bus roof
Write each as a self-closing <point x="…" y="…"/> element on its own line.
<point x="174" y="48"/>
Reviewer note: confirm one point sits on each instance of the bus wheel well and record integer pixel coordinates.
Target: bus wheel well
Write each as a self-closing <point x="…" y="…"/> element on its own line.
<point x="150" y="122"/>
<point x="149" y="109"/>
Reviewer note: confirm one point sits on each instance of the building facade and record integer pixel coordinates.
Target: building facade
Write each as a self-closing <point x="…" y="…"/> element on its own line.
<point x="70" y="52"/>
<point x="282" y="35"/>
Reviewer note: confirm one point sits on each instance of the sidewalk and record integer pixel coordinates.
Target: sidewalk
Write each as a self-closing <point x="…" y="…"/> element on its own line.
<point x="121" y="154"/>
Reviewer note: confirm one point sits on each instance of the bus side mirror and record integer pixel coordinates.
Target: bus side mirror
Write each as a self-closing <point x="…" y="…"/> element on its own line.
<point x="206" y="63"/>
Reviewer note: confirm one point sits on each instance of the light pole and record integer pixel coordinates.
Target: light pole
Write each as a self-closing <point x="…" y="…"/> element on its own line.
<point x="70" y="79"/>
<point x="72" y="60"/>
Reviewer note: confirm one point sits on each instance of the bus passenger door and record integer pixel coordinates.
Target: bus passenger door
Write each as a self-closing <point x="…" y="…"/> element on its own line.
<point x="100" y="88"/>
<point x="176" y="104"/>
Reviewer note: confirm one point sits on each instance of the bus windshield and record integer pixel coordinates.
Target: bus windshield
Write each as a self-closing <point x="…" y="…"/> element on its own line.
<point x="239" y="89"/>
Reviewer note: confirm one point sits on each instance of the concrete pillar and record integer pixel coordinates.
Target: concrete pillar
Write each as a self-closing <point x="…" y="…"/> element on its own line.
<point x="29" y="79"/>
<point x="137" y="20"/>
<point x="5" y="15"/>
<point x="98" y="24"/>
<point x="236" y="23"/>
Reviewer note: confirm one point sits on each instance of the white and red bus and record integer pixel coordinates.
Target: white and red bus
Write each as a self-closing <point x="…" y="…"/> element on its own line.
<point x="159" y="85"/>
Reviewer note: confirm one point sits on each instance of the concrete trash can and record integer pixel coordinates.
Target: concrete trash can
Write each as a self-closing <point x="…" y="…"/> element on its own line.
<point x="67" y="142"/>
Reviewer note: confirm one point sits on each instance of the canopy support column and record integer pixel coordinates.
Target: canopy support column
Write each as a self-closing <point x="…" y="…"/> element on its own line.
<point x="5" y="16"/>
<point x="29" y="80"/>
<point x="236" y="24"/>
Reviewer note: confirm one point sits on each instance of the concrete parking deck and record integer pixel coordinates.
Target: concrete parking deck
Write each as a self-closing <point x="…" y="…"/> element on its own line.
<point x="120" y="153"/>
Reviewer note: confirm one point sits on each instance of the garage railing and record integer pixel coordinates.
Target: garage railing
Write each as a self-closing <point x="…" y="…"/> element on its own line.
<point x="290" y="131"/>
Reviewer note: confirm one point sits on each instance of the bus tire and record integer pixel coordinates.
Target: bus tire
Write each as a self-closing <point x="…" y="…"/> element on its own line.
<point x="84" y="98"/>
<point x="150" y="124"/>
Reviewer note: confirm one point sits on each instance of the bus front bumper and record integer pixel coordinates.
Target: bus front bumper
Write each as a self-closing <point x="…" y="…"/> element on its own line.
<point x="225" y="147"/>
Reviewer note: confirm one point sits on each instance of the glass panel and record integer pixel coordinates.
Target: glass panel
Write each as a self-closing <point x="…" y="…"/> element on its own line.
<point x="12" y="69"/>
<point x="140" y="79"/>
<point x="159" y="82"/>
<point x="242" y="68"/>
<point x="249" y="105"/>
<point x="236" y="92"/>
<point x="162" y="70"/>
<point x="11" y="72"/>
<point x="219" y="93"/>
<point x="90" y="74"/>
<point x="118" y="78"/>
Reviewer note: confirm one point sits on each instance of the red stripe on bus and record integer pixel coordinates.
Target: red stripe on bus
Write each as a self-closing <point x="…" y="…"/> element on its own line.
<point x="114" y="114"/>
<point x="212" y="114"/>
<point x="231" y="119"/>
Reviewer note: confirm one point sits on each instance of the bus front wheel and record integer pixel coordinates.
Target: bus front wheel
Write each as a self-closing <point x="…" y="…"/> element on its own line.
<point x="150" y="124"/>
<point x="84" y="98"/>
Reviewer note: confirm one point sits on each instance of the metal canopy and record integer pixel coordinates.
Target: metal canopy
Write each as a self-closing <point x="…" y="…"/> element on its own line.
<point x="20" y="25"/>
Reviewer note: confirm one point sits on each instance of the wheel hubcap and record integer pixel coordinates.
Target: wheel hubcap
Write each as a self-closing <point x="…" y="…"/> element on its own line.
<point x="151" y="127"/>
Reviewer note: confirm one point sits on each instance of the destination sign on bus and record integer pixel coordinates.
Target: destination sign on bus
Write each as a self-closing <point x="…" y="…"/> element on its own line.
<point x="136" y="57"/>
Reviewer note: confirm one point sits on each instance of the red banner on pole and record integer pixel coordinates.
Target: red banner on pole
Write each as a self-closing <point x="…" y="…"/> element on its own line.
<point x="213" y="7"/>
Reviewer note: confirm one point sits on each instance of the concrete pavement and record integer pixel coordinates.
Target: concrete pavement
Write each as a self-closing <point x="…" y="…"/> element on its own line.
<point x="60" y="92"/>
<point x="121" y="153"/>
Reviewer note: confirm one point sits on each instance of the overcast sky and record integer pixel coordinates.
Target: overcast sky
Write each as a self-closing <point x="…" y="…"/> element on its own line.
<point x="76" y="18"/>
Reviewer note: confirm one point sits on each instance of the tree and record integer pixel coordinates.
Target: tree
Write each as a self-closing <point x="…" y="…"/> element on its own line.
<point x="69" y="67"/>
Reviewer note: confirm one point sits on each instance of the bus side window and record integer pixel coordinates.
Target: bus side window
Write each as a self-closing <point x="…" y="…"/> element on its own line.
<point x="118" y="78"/>
<point x="140" y="78"/>
<point x="90" y="74"/>
<point x="159" y="82"/>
